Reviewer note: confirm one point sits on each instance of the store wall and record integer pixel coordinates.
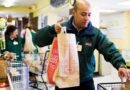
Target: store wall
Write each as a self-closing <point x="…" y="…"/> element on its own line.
<point x="117" y="25"/>
<point x="117" y="29"/>
<point x="95" y="15"/>
<point x="127" y="30"/>
<point x="41" y="7"/>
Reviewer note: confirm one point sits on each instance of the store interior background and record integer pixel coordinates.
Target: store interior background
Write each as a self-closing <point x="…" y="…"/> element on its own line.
<point x="111" y="16"/>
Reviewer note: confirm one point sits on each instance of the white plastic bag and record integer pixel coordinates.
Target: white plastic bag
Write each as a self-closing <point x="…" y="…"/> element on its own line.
<point x="28" y="46"/>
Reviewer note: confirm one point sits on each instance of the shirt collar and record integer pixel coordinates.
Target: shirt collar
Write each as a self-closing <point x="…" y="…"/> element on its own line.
<point x="77" y="27"/>
<point x="88" y="30"/>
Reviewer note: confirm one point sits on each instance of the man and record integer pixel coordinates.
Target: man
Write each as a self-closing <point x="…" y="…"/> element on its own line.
<point x="89" y="38"/>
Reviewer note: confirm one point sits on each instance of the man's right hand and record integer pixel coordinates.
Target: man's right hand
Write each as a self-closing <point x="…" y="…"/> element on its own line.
<point x="58" y="27"/>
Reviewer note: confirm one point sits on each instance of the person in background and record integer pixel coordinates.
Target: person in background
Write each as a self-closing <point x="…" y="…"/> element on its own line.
<point x="28" y="30"/>
<point x="89" y="38"/>
<point x="13" y="41"/>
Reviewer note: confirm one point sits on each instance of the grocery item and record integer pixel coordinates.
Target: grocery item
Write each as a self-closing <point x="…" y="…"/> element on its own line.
<point x="3" y="69"/>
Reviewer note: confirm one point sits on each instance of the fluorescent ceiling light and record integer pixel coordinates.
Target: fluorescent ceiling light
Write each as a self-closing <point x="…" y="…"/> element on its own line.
<point x="8" y="3"/>
<point x="126" y="3"/>
<point x="107" y="11"/>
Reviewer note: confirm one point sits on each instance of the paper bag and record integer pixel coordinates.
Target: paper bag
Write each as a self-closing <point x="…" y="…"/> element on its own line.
<point x="68" y="68"/>
<point x="53" y="62"/>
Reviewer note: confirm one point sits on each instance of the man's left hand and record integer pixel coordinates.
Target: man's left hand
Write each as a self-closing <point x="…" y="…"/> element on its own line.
<point x="124" y="72"/>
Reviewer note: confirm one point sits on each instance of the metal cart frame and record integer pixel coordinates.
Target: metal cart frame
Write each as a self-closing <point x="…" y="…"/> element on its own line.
<point x="109" y="86"/>
<point x="19" y="81"/>
<point x="35" y="83"/>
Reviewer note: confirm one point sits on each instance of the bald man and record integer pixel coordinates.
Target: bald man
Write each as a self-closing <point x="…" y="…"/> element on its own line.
<point x="89" y="38"/>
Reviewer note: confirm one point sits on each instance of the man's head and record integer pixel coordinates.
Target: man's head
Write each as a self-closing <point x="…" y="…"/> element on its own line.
<point x="81" y="13"/>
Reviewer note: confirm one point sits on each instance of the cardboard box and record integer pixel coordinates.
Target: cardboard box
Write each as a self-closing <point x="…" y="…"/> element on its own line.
<point x="3" y="69"/>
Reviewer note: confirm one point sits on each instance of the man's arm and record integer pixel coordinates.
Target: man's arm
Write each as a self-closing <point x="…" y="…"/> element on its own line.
<point x="112" y="54"/>
<point x="45" y="36"/>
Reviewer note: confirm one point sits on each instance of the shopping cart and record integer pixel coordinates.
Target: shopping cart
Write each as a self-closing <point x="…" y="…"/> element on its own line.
<point x="17" y="73"/>
<point x="35" y="61"/>
<point x="111" y="86"/>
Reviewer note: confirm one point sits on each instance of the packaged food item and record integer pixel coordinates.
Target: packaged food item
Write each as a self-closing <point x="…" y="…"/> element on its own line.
<point x="3" y="69"/>
<point x="127" y="85"/>
<point x="4" y="84"/>
<point x="124" y="88"/>
<point x="9" y="55"/>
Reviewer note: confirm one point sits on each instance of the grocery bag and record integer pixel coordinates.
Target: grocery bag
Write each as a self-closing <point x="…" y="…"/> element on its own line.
<point x="68" y="67"/>
<point x="28" y="46"/>
<point x="33" y="62"/>
<point x="53" y="61"/>
<point x="63" y="63"/>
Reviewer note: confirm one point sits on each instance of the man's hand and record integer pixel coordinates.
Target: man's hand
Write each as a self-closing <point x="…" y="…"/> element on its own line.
<point x="58" y="27"/>
<point x="124" y="72"/>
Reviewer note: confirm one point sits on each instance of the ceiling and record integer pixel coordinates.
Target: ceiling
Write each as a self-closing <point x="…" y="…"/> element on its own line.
<point x="114" y="5"/>
<point x="102" y="4"/>
<point x="20" y="3"/>
<point x="17" y="3"/>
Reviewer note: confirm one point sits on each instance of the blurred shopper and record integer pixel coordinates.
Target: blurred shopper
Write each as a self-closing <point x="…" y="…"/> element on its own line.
<point x="89" y="38"/>
<point x="13" y="41"/>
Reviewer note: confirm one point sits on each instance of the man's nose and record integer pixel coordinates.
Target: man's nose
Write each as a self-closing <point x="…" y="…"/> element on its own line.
<point x="86" y="18"/>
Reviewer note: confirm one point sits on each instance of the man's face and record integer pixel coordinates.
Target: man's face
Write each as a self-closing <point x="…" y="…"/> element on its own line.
<point x="82" y="15"/>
